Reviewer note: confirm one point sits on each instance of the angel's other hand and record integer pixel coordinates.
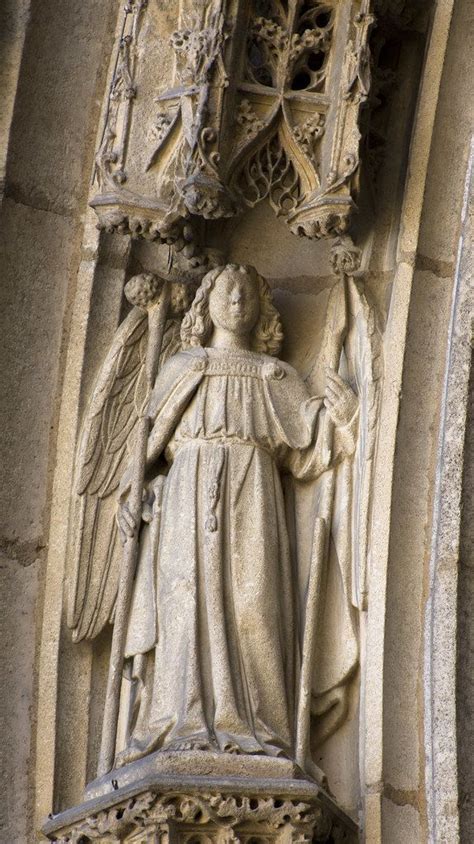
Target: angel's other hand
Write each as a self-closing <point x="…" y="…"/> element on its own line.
<point x="125" y="521"/>
<point x="340" y="400"/>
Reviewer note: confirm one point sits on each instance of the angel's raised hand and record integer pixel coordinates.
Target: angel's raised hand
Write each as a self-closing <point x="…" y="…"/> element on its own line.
<point x="340" y="400"/>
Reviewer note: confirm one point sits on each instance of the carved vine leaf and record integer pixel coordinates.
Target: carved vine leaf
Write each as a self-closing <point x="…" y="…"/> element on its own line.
<point x="308" y="133"/>
<point x="307" y="821"/>
<point x="199" y="48"/>
<point x="249" y="122"/>
<point x="267" y="41"/>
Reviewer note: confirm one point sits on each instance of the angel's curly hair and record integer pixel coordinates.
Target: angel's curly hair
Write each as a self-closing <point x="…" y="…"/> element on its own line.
<point x="196" y="327"/>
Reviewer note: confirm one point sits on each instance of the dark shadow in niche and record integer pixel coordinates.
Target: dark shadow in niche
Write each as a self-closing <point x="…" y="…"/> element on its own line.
<point x="301" y="81"/>
<point x="315" y="61"/>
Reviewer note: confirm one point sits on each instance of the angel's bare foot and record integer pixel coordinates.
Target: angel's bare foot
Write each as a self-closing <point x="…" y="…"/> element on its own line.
<point x="232" y="747"/>
<point x="138" y="749"/>
<point x="131" y="754"/>
<point x="188" y="744"/>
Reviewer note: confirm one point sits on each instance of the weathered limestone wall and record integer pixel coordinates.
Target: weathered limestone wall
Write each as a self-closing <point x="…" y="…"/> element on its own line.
<point x="53" y="65"/>
<point x="13" y="22"/>
<point x="465" y="641"/>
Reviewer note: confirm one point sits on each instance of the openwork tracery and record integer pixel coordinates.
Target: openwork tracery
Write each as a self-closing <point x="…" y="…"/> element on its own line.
<point x="264" y="103"/>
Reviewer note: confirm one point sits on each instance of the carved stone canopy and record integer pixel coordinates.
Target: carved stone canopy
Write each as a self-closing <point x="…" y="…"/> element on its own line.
<point x="246" y="100"/>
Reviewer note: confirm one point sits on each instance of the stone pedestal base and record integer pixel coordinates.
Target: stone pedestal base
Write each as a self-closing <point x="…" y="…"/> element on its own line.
<point x="170" y="809"/>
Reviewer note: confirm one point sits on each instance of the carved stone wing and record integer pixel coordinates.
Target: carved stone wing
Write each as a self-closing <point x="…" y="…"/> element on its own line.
<point x="103" y="451"/>
<point x="350" y="342"/>
<point x="351" y="322"/>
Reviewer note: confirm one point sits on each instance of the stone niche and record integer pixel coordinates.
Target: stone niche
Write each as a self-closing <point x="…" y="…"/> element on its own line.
<point x="203" y="795"/>
<point x="224" y="403"/>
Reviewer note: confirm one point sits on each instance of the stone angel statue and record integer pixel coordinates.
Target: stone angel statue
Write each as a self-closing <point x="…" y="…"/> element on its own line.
<point x="220" y="638"/>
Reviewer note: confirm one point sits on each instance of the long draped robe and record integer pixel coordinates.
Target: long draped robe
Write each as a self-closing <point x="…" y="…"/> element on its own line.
<point x="225" y="630"/>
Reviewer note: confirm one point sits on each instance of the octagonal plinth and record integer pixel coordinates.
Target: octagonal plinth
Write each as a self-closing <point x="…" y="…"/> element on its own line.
<point x="197" y="809"/>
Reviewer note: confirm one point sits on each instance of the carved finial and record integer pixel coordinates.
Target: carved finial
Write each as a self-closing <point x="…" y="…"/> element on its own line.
<point x="207" y="197"/>
<point x="345" y="256"/>
<point x="142" y="290"/>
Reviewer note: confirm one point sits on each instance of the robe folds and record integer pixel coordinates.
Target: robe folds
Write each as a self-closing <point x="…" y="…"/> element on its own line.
<point x="219" y="573"/>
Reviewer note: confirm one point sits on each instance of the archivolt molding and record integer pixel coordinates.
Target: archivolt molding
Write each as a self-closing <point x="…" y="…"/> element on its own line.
<point x="441" y="621"/>
<point x="373" y="751"/>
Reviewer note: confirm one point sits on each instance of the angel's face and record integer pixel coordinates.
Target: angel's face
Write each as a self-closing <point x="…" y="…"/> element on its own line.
<point x="234" y="303"/>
